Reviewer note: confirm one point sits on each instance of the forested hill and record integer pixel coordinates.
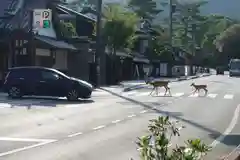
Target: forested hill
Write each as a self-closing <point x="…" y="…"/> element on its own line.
<point x="230" y="8"/>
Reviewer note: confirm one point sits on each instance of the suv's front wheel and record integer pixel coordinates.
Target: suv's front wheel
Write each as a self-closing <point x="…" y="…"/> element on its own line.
<point x="15" y="92"/>
<point x="72" y="95"/>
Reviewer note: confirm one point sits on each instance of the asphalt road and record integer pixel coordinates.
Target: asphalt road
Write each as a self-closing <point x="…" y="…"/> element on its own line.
<point x="107" y="126"/>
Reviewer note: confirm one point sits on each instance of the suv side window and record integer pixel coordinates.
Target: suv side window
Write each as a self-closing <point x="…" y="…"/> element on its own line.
<point x="18" y="73"/>
<point x="47" y="75"/>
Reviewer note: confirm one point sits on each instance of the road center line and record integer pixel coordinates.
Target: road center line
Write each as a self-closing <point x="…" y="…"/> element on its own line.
<point x="99" y="127"/>
<point x="75" y="134"/>
<point x="132" y="115"/>
<point x="144" y="111"/>
<point x="116" y="121"/>
<point x="229" y="128"/>
<point x="228" y="96"/>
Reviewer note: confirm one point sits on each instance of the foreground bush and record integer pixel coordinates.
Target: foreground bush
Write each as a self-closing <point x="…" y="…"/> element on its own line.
<point x="156" y="145"/>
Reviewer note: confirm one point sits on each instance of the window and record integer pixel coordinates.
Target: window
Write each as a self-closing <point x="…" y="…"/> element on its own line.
<point x="22" y="73"/>
<point x="49" y="75"/>
<point x="17" y="73"/>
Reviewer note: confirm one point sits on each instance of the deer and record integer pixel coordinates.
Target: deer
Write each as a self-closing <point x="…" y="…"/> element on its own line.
<point x="157" y="84"/>
<point x="199" y="87"/>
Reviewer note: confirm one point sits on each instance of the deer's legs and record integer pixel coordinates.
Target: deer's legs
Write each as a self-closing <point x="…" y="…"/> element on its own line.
<point x="157" y="91"/>
<point x="165" y="91"/>
<point x="152" y="91"/>
<point x="194" y="91"/>
<point x="206" y="91"/>
<point x="169" y="91"/>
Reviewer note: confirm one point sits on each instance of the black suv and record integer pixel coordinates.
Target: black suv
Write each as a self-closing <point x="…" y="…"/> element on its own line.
<point x="40" y="81"/>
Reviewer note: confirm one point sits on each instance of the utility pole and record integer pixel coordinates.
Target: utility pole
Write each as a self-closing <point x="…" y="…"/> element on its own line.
<point x="171" y="24"/>
<point x="193" y="39"/>
<point x="98" y="42"/>
<point x="171" y="11"/>
<point x="31" y="40"/>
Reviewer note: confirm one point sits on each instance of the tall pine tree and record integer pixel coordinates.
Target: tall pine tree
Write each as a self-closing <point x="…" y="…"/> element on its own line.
<point x="145" y="9"/>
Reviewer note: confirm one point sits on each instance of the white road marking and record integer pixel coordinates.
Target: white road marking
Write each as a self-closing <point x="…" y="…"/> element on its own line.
<point x="25" y="139"/>
<point x="143" y="94"/>
<point x="193" y="95"/>
<point x="71" y="105"/>
<point x="178" y="94"/>
<point x="228" y="96"/>
<point x="129" y="93"/>
<point x="100" y="93"/>
<point x="116" y="121"/>
<point x="229" y="129"/>
<point x="211" y="95"/>
<point x="132" y="115"/>
<point x="25" y="148"/>
<point x="5" y="105"/>
<point x="144" y="111"/>
<point x="161" y="94"/>
<point x="75" y="134"/>
<point x="99" y="127"/>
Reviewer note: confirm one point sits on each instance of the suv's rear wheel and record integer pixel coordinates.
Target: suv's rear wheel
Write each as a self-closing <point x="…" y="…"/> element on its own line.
<point x="72" y="95"/>
<point x="15" y="92"/>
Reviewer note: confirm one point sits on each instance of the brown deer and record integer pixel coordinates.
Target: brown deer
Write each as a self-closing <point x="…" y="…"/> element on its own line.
<point x="157" y="84"/>
<point x="199" y="87"/>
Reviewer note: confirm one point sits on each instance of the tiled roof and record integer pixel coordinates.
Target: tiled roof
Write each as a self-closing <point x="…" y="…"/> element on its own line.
<point x="56" y="44"/>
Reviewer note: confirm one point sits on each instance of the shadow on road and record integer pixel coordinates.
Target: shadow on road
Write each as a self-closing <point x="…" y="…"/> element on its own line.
<point x="47" y="102"/>
<point x="135" y="87"/>
<point x="229" y="140"/>
<point x="148" y="103"/>
<point x="175" y="115"/>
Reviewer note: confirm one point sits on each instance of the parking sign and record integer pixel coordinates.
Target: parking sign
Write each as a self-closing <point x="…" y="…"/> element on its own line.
<point x="42" y="18"/>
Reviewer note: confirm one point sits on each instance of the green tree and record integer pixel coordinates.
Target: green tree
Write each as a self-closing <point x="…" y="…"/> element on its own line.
<point x="211" y="29"/>
<point x="146" y="9"/>
<point x="119" y="27"/>
<point x="156" y="145"/>
<point x="187" y="22"/>
<point x="68" y="29"/>
<point x="159" y="48"/>
<point x="229" y="42"/>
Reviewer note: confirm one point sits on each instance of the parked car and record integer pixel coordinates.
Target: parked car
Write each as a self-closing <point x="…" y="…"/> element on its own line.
<point x="220" y="70"/>
<point x="40" y="81"/>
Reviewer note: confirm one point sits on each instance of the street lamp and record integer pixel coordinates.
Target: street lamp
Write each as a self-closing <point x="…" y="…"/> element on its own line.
<point x="98" y="42"/>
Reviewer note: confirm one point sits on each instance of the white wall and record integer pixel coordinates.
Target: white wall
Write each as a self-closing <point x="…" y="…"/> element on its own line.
<point x="60" y="58"/>
<point x="41" y="53"/>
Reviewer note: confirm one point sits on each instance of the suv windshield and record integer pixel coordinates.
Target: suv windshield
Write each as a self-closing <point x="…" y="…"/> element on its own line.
<point x="235" y="65"/>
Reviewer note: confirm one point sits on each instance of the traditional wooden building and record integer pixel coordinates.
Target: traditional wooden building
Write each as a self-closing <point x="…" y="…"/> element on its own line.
<point x="22" y="45"/>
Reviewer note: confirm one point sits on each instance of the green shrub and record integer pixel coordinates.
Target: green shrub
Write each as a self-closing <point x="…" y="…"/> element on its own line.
<point x="156" y="145"/>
